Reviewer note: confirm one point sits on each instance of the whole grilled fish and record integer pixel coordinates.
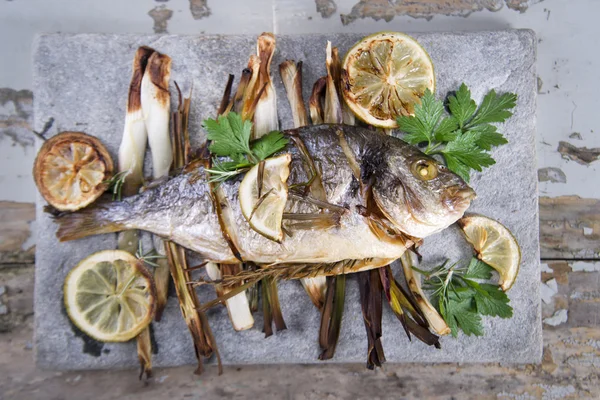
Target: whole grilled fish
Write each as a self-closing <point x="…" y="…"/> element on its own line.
<point x="411" y="191"/>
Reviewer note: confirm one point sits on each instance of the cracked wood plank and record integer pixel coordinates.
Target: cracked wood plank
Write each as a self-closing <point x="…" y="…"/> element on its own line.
<point x="569" y="228"/>
<point x="15" y="232"/>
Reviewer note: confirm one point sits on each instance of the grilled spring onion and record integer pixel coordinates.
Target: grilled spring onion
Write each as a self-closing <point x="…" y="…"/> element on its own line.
<point x="435" y="320"/>
<point x="237" y="306"/>
<point x="314" y="103"/>
<point x="195" y="319"/>
<point x="265" y="121"/>
<point x="370" y="288"/>
<point x="131" y="163"/>
<point x="156" y="105"/>
<point x="291" y="75"/>
<point x="265" y="116"/>
<point x="135" y="137"/>
<point x="333" y="106"/>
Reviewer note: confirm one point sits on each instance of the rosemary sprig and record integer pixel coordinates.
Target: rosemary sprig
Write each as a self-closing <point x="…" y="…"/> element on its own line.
<point x="115" y="184"/>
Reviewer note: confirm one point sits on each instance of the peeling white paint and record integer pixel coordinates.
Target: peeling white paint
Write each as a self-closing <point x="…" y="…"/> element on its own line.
<point x="31" y="240"/>
<point x="548" y="290"/>
<point x="559" y="317"/>
<point x="585" y="266"/>
<point x="546" y="268"/>
<point x="555" y="392"/>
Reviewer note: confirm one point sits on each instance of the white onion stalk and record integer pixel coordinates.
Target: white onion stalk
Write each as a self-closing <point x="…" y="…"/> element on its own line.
<point x="413" y="281"/>
<point x="341" y="79"/>
<point x="265" y="115"/>
<point x="291" y="75"/>
<point x="156" y="103"/>
<point x="333" y="107"/>
<point x="237" y="306"/>
<point x="131" y="164"/>
<point x="248" y="99"/>
<point x="135" y="137"/>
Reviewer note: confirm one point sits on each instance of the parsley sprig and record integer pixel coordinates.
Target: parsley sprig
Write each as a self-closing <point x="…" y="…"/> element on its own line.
<point x="234" y="152"/>
<point x="465" y="137"/>
<point x="462" y="300"/>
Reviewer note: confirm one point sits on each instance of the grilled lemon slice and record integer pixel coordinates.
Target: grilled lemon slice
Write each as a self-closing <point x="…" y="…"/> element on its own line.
<point x="388" y="73"/>
<point x="263" y="200"/>
<point x="110" y="296"/>
<point x="495" y="245"/>
<point x="71" y="169"/>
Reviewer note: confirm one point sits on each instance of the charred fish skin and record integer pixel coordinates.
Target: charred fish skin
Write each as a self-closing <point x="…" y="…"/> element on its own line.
<point x="181" y="209"/>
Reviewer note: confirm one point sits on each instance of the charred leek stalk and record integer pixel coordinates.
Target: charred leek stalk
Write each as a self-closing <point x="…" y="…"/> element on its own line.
<point x="131" y="163"/>
<point x="291" y="75"/>
<point x="370" y="287"/>
<point x="135" y="137"/>
<point x="265" y="116"/>
<point x="237" y="306"/>
<point x="265" y="121"/>
<point x="156" y="103"/>
<point x="197" y="322"/>
<point x="333" y="106"/>
<point x="435" y="320"/>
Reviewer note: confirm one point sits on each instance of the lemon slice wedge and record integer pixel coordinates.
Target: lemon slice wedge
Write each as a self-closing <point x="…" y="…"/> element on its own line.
<point x="387" y="74"/>
<point x="110" y="296"/>
<point x="495" y="245"/>
<point x="263" y="200"/>
<point x="71" y="169"/>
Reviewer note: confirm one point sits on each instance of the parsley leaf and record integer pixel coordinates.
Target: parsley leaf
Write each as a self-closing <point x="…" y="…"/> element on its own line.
<point x="230" y="143"/>
<point x="229" y="135"/>
<point x="492" y="301"/>
<point x="494" y="108"/>
<point x="463" y="138"/>
<point x="488" y="136"/>
<point x="478" y="270"/>
<point x="461" y="300"/>
<point x="268" y="145"/>
<point x="447" y="130"/>
<point x="463" y="154"/>
<point x="461" y="105"/>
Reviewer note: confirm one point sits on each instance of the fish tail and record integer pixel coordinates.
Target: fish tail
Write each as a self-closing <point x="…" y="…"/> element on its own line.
<point x="90" y="221"/>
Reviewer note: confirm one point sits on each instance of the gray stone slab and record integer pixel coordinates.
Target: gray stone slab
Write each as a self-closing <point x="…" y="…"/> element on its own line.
<point x="81" y="81"/>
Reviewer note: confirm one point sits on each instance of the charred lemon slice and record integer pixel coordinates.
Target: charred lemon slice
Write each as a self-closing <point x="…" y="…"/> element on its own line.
<point x="110" y="296"/>
<point x="495" y="245"/>
<point x="387" y="74"/>
<point x="263" y="194"/>
<point x="71" y="169"/>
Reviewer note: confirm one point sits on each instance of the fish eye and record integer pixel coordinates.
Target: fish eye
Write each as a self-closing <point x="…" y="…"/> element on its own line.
<point x="424" y="170"/>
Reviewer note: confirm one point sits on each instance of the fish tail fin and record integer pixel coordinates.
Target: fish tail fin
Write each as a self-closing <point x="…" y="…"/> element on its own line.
<point x="87" y="222"/>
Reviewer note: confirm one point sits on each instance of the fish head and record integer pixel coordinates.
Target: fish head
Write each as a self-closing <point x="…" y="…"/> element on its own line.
<point x="418" y="194"/>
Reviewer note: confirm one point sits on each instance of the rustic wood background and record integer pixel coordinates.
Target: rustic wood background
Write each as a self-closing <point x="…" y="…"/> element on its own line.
<point x="568" y="150"/>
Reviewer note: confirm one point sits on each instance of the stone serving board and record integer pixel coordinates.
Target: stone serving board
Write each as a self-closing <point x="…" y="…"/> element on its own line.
<point x="81" y="82"/>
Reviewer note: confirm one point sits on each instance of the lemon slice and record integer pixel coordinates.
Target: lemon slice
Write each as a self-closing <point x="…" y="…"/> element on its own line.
<point x="495" y="245"/>
<point x="388" y="73"/>
<point x="264" y="210"/>
<point x="110" y="296"/>
<point x="71" y="169"/>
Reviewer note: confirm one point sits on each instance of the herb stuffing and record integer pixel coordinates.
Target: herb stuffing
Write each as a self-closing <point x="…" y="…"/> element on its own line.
<point x="234" y="151"/>
<point x="463" y="138"/>
<point x="461" y="299"/>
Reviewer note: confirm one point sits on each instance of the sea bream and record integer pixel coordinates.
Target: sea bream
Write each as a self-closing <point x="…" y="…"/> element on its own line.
<point x="398" y="187"/>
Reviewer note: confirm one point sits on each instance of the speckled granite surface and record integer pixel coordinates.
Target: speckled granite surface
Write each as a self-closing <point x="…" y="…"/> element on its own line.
<point x="81" y="81"/>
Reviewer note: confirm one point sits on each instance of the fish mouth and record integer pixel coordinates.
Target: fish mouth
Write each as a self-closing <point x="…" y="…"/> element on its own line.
<point x="458" y="198"/>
